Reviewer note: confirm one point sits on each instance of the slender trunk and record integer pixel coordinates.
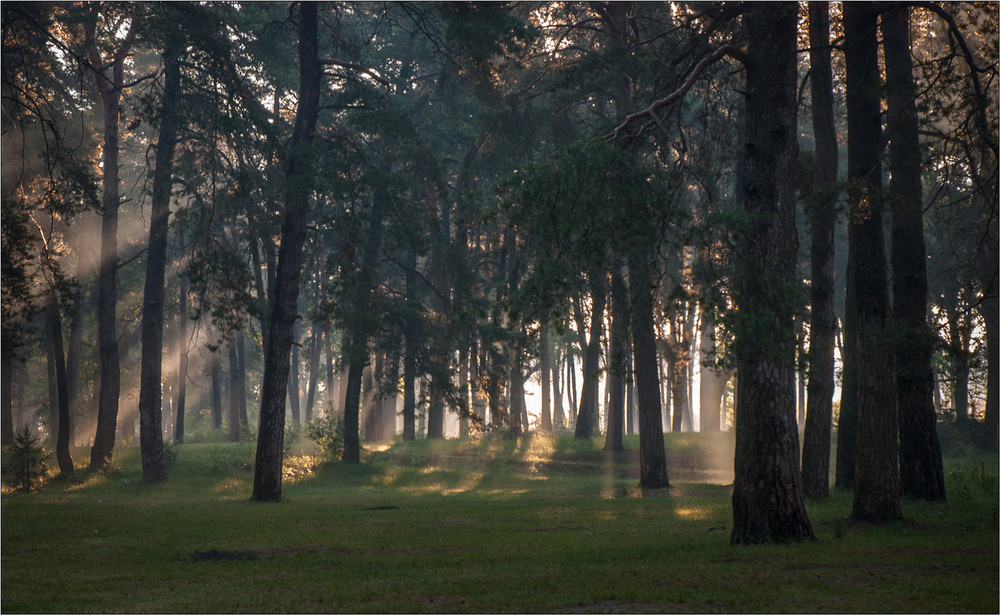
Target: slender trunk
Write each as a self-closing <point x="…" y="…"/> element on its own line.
<point x="74" y="350"/>
<point x="823" y="215"/>
<point x="183" y="354"/>
<point x="767" y="497"/>
<point x="876" y="484"/>
<point x="558" y="420"/>
<point x="571" y="383"/>
<point x="234" y="386"/>
<point x="314" y="347"/>
<point x="6" y="395"/>
<point x="921" y="470"/>
<point x="713" y="381"/>
<point x="328" y="350"/>
<point x="991" y="424"/>
<point x="215" y="359"/>
<point x="409" y="389"/>
<point x="241" y="364"/>
<point x="652" y="454"/>
<point x="52" y="385"/>
<point x="154" y="464"/>
<point x="110" y="89"/>
<point x="298" y="172"/>
<point x="63" y="457"/>
<point x="355" y="359"/>
<point x="546" y="378"/>
<point x="591" y="356"/>
<point x="617" y="365"/>
<point x="294" y="398"/>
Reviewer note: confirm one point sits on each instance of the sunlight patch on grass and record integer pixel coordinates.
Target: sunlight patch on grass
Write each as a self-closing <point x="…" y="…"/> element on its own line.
<point x="693" y="513"/>
<point x="387" y="478"/>
<point x="470" y="482"/>
<point x="232" y="487"/>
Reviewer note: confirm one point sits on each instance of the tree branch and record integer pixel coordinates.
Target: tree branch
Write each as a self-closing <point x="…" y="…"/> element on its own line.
<point x="652" y="112"/>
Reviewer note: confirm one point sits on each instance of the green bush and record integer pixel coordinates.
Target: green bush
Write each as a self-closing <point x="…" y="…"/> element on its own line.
<point x="26" y="460"/>
<point x="328" y="433"/>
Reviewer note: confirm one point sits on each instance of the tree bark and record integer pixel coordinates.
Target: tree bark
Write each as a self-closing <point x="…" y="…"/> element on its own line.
<point x="110" y="90"/>
<point x="591" y="355"/>
<point x="823" y="217"/>
<point x="546" y="378"/>
<point x="314" y="348"/>
<point x="63" y="457"/>
<point x="876" y="484"/>
<point x="298" y="172"/>
<point x="215" y="359"/>
<point x="183" y="360"/>
<point x="617" y="370"/>
<point x="921" y="470"/>
<point x="294" y="397"/>
<point x="234" y="386"/>
<point x="652" y="453"/>
<point x="6" y="392"/>
<point x="767" y="496"/>
<point x="154" y="463"/>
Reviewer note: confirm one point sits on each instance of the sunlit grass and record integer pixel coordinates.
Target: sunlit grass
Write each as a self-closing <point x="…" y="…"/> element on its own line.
<point x="539" y="524"/>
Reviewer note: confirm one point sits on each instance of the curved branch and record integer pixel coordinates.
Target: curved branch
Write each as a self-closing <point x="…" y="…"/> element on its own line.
<point x="652" y="112"/>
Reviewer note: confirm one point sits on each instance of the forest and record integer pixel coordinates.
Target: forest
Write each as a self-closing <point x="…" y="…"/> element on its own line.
<point x="738" y="251"/>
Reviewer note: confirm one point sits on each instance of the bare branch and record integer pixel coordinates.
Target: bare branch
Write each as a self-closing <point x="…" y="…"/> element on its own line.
<point x="651" y="113"/>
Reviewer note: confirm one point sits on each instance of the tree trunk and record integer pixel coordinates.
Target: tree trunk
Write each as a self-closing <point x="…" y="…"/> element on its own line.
<point x="314" y="347"/>
<point x="991" y="424"/>
<point x="183" y="361"/>
<point x="330" y="383"/>
<point x="298" y="171"/>
<point x="823" y="216"/>
<point x="110" y="89"/>
<point x="6" y="395"/>
<point x="74" y="350"/>
<point x="876" y="484"/>
<point x="652" y="454"/>
<point x="921" y="470"/>
<point x="713" y="381"/>
<point x="354" y="359"/>
<point x="63" y="457"/>
<point x="558" y="420"/>
<point x="154" y="463"/>
<point x="294" y="399"/>
<point x="241" y="393"/>
<point x="234" y="386"/>
<point x="617" y="369"/>
<point x="546" y="378"/>
<point x="215" y="359"/>
<point x="767" y="497"/>
<point x="591" y="355"/>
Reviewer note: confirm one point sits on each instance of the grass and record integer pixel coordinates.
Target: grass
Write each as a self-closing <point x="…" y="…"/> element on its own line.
<point x="536" y="525"/>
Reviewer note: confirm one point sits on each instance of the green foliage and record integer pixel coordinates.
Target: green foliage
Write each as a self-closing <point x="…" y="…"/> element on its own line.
<point x="26" y="461"/>
<point x="328" y="433"/>
<point x="229" y="458"/>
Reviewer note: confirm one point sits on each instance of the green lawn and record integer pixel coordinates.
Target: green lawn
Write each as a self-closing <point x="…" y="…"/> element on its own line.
<point x="537" y="525"/>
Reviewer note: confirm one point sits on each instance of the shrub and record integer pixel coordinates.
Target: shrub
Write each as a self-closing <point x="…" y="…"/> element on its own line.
<point x="27" y="460"/>
<point x="328" y="433"/>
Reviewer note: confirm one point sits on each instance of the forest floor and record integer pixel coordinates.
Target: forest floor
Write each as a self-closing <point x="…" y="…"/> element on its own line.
<point x="540" y="524"/>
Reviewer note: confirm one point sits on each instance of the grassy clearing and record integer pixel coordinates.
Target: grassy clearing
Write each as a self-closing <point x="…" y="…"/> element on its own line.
<point x="537" y="525"/>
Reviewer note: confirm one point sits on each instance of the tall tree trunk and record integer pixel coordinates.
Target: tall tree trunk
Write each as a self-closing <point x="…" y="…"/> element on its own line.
<point x="617" y="369"/>
<point x="74" y="351"/>
<point x="294" y="398"/>
<point x="713" y="381"/>
<point x="921" y="470"/>
<point x="154" y="463"/>
<point x="330" y="382"/>
<point x="298" y="172"/>
<point x="591" y="354"/>
<point x="991" y="420"/>
<point x="546" y="378"/>
<point x="767" y="496"/>
<point x="6" y="392"/>
<point x="234" y="386"/>
<point x="183" y="354"/>
<point x="314" y="347"/>
<point x="876" y="484"/>
<point x="215" y="360"/>
<point x="241" y="393"/>
<point x="558" y="420"/>
<point x="63" y="457"/>
<point x="823" y="216"/>
<point x="516" y="396"/>
<point x="652" y="454"/>
<point x="110" y="90"/>
<point x="355" y="358"/>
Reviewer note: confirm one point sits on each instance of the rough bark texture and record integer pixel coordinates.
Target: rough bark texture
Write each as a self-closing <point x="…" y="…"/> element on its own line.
<point x="767" y="496"/>
<point x="154" y="463"/>
<point x="876" y="481"/>
<point x="110" y="88"/>
<point x="298" y="171"/>
<point x="921" y="470"/>
<point x="652" y="455"/>
<point x="823" y="217"/>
